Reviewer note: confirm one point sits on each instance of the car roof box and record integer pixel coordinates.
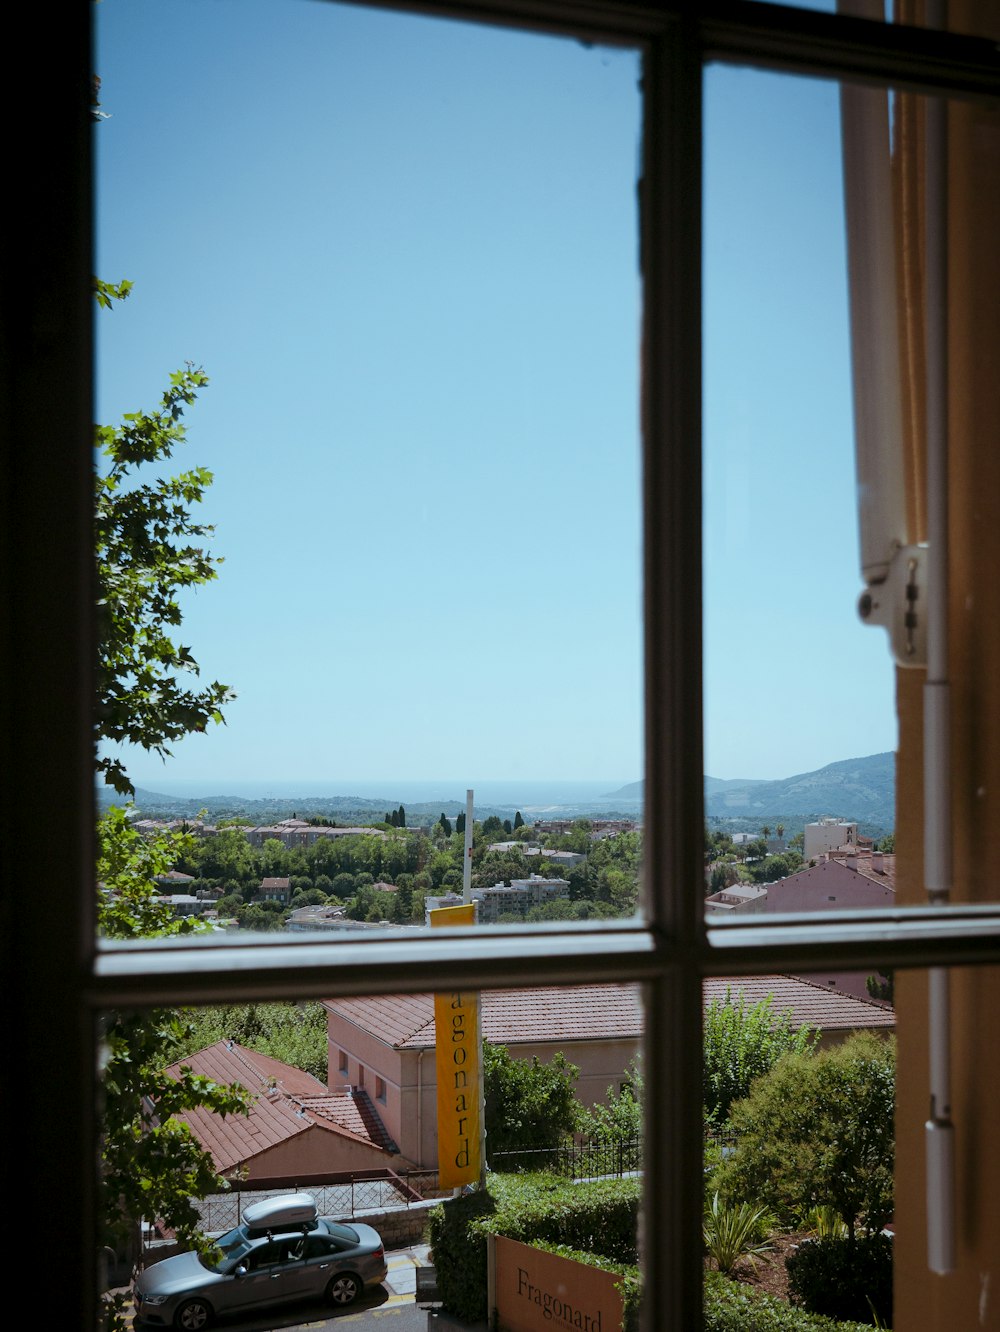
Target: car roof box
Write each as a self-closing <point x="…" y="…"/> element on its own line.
<point x="289" y="1212"/>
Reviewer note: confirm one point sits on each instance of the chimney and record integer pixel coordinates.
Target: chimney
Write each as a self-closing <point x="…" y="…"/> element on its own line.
<point x="877" y="865"/>
<point x="852" y="862"/>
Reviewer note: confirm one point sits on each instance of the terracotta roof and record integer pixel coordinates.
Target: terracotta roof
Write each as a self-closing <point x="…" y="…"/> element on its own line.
<point x="594" y="1012"/>
<point x="804" y="1001"/>
<point x="829" y="885"/>
<point x="285" y="1102"/>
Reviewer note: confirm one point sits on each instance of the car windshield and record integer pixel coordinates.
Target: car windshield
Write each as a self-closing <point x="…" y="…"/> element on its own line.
<point x="228" y="1250"/>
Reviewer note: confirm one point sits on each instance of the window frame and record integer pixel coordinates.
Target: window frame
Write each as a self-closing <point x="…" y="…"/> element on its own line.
<point x="59" y="980"/>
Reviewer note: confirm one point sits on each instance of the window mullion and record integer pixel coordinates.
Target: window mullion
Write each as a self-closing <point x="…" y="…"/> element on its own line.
<point x="673" y="818"/>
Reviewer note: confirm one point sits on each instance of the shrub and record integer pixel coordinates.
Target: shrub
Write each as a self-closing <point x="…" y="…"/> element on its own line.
<point x="524" y="1206"/>
<point x="843" y="1279"/>
<point x="818" y="1130"/>
<point x="826" y="1223"/>
<point x="598" y="1218"/>
<point x="735" y="1231"/>
<point x="743" y="1042"/>
<point x="732" y="1307"/>
<point x="528" y="1104"/>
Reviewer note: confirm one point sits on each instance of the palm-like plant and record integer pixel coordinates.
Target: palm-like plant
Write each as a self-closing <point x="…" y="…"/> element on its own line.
<point x="826" y="1223"/>
<point x="735" y="1231"/>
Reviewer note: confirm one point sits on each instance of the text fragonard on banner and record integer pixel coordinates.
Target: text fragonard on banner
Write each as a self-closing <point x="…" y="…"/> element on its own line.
<point x="457" y="1064"/>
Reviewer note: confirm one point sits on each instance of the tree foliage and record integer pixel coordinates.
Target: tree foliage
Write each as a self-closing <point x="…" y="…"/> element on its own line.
<point x="743" y="1042"/>
<point x="818" y="1131"/>
<point x="152" y="1165"/>
<point x="619" y="1119"/>
<point x="528" y="1104"/>
<point x="293" y="1033"/>
<point x="149" y="549"/>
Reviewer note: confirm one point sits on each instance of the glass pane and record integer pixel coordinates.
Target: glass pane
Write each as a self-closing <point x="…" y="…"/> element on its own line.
<point x="800" y="722"/>
<point x="800" y="1078"/>
<point x="405" y="253"/>
<point x="376" y="1109"/>
<point x="829" y="472"/>
<point x="970" y="20"/>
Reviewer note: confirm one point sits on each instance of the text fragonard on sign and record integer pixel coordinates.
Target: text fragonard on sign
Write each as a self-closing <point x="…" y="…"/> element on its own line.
<point x="457" y="1060"/>
<point x="537" y="1291"/>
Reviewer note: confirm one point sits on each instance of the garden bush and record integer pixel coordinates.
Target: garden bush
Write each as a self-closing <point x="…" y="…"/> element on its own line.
<point x="732" y="1307"/>
<point x="818" y="1130"/>
<point x="598" y="1218"/>
<point x="593" y="1223"/>
<point x="844" y="1280"/>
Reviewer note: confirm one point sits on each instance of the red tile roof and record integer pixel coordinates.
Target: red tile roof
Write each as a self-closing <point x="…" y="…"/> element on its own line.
<point x="595" y="1012"/>
<point x="285" y="1102"/>
<point x="831" y="885"/>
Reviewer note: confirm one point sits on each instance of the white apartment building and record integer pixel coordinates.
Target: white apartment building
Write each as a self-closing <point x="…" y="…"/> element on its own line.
<point x="828" y="835"/>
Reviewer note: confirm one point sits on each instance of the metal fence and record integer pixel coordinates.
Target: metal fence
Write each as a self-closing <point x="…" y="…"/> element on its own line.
<point x="336" y="1195"/>
<point x="587" y="1159"/>
<point x="591" y="1158"/>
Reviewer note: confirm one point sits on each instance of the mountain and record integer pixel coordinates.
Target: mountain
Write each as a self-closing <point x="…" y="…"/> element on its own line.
<point x="860" y="789"/>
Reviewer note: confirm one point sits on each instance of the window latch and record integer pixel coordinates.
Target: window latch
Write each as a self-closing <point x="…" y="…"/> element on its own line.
<point x="898" y="604"/>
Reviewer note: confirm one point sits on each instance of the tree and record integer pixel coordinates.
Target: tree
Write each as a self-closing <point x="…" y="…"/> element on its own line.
<point x="529" y="1105"/>
<point x="882" y="985"/>
<point x="818" y="1131"/>
<point x="148" y="550"/>
<point x="620" y="1118"/>
<point x="742" y="1043"/>
<point x="771" y="868"/>
<point x="401" y="817"/>
<point x="151" y="1163"/>
<point x="445" y="823"/>
<point x="518" y="820"/>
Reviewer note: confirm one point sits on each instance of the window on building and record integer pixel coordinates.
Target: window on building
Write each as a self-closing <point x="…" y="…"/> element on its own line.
<point x="59" y="980"/>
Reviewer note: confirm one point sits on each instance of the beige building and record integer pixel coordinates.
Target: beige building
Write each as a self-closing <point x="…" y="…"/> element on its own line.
<point x="385" y="1046"/>
<point x="828" y="835"/>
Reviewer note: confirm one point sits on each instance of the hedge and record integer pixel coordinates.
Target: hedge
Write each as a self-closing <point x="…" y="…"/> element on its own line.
<point x="597" y="1218"/>
<point x="552" y="1214"/>
<point x="733" y="1307"/>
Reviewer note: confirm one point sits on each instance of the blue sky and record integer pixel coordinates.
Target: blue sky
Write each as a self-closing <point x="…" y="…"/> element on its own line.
<point x="405" y="253"/>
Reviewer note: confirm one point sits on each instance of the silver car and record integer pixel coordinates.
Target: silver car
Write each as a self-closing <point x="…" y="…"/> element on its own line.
<point x="280" y="1253"/>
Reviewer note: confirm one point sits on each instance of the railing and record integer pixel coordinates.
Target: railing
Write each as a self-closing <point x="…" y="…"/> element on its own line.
<point x="338" y="1195"/>
<point x="590" y="1158"/>
<point x="586" y="1159"/>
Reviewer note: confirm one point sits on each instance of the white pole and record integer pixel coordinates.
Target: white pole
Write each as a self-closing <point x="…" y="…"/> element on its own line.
<point x="467" y="864"/>
<point x="939" y="1130"/>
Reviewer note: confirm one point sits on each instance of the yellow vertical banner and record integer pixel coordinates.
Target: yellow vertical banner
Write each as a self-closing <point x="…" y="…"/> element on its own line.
<point x="457" y="1063"/>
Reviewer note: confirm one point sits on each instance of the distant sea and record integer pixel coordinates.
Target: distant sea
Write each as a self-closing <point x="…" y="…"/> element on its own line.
<point x="528" y="794"/>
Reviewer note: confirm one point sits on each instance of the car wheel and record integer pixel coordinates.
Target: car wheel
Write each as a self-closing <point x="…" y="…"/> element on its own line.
<point x="343" y="1289"/>
<point x="192" y="1315"/>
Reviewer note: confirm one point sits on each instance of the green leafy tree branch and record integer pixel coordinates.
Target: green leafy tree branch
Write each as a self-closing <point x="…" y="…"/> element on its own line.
<point x="149" y="550"/>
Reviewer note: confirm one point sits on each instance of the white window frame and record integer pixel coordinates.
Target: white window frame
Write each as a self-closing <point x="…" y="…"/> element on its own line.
<point x="58" y="979"/>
